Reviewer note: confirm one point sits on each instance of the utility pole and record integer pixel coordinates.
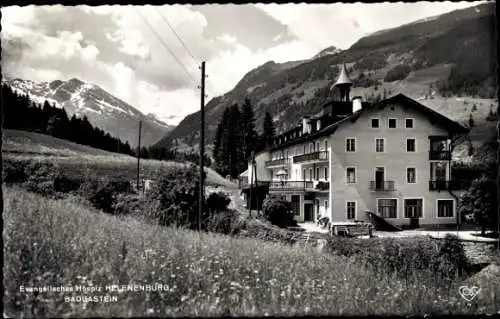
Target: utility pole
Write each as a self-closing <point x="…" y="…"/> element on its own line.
<point x="139" y="154"/>
<point x="202" y="147"/>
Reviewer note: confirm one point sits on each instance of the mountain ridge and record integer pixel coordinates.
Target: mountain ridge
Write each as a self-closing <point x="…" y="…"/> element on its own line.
<point x="103" y="109"/>
<point x="434" y="57"/>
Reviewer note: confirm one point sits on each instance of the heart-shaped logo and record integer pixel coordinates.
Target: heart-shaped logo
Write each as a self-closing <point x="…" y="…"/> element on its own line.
<point x="469" y="293"/>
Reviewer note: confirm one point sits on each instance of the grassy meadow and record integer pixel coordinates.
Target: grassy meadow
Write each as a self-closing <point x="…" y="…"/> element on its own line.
<point x="76" y="160"/>
<point x="64" y="242"/>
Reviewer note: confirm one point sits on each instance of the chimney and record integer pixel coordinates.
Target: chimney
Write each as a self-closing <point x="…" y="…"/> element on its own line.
<point x="306" y="125"/>
<point x="356" y="104"/>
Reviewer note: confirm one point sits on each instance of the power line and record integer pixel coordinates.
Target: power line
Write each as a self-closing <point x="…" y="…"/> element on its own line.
<point x="177" y="35"/>
<point x="164" y="44"/>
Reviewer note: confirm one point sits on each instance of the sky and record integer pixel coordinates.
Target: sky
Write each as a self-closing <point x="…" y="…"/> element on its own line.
<point x="127" y="50"/>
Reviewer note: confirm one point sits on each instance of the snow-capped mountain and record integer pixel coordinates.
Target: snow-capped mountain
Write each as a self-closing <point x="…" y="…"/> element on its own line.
<point x="101" y="108"/>
<point x="328" y="51"/>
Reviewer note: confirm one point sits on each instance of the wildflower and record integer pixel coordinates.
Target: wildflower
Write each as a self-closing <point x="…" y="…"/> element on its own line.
<point x="184" y="298"/>
<point x="150" y="311"/>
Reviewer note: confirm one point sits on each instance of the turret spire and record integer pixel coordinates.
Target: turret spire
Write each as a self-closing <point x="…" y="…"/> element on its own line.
<point x="343" y="85"/>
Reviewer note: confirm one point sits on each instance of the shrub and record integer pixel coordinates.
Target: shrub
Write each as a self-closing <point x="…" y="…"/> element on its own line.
<point x="41" y="171"/>
<point x="174" y="199"/>
<point x="224" y="222"/>
<point x="64" y="184"/>
<point x="408" y="258"/>
<point x="128" y="204"/>
<point x="14" y="172"/>
<point x="451" y="261"/>
<point x="278" y="212"/>
<point x="217" y="202"/>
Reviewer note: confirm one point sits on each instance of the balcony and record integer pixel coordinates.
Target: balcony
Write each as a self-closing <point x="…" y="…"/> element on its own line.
<point x="322" y="186"/>
<point x="439" y="155"/>
<point x="290" y="185"/>
<point x="382" y="186"/>
<point x="243" y="183"/>
<point x="311" y="157"/>
<point x="440" y="185"/>
<point x="278" y="162"/>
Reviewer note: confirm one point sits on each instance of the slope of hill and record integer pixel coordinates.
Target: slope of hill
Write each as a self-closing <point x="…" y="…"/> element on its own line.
<point x="327" y="51"/>
<point x="451" y="54"/>
<point x="79" y="160"/>
<point x="101" y="108"/>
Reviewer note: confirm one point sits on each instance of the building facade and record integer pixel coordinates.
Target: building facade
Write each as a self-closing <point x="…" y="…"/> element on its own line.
<point x="392" y="158"/>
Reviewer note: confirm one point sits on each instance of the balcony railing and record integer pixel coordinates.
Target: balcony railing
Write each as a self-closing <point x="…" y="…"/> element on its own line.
<point x="440" y="155"/>
<point x="243" y="183"/>
<point x="382" y="186"/>
<point x="277" y="162"/>
<point x="439" y="185"/>
<point x="296" y="185"/>
<point x="323" y="186"/>
<point x="316" y="156"/>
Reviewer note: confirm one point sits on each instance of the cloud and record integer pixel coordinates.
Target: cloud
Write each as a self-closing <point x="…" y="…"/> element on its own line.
<point x="117" y="47"/>
<point x="322" y="25"/>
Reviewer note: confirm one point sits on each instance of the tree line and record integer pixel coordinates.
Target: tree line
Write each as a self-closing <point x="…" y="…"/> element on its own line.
<point x="236" y="139"/>
<point x="21" y="113"/>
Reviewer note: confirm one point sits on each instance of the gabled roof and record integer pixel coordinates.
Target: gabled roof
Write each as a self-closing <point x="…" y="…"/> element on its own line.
<point x="434" y="117"/>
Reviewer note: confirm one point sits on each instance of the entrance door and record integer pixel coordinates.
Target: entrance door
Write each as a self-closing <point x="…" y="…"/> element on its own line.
<point x="308" y="212"/>
<point x="379" y="178"/>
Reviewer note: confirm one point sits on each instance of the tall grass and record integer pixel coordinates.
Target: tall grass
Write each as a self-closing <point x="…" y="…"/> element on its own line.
<point x="63" y="242"/>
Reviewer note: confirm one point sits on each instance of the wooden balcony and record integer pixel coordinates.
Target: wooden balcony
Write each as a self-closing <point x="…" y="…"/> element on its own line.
<point x="439" y="155"/>
<point x="278" y="162"/>
<point x="311" y="157"/>
<point x="290" y="185"/>
<point x="383" y="186"/>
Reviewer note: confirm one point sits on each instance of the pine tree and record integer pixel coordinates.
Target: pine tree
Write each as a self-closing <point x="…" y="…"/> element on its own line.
<point x="248" y="131"/>
<point x="268" y="129"/>
<point x="234" y="140"/>
<point x="221" y="151"/>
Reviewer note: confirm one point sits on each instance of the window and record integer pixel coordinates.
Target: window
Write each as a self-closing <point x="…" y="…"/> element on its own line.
<point x="317" y="147"/>
<point x="409" y="123"/>
<point x="326" y="204"/>
<point x="351" y="175"/>
<point x="350" y="145"/>
<point x="438" y="171"/>
<point x="375" y="123"/>
<point x="351" y="210"/>
<point x="413" y="208"/>
<point x="379" y="145"/>
<point x="387" y="208"/>
<point x="445" y="207"/>
<point x="411" y="175"/>
<point x="326" y="173"/>
<point x="392" y="123"/>
<point x="411" y="145"/>
<point x="310" y="174"/>
<point x="311" y="147"/>
<point x="317" y="173"/>
<point x="304" y="174"/>
<point x="326" y="145"/>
